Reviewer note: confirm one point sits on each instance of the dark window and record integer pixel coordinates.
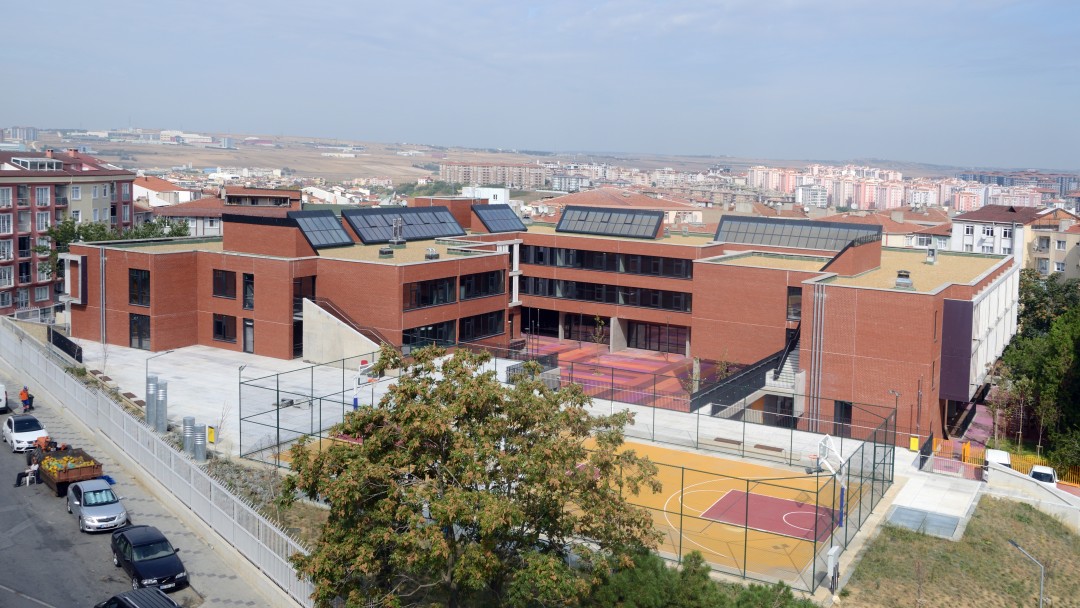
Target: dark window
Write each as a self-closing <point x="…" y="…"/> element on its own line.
<point x="249" y="291"/>
<point x="429" y="293"/>
<point x="224" y="328"/>
<point x="607" y="262"/>
<point x="439" y="333"/>
<point x="794" y="303"/>
<point x="139" y="287"/>
<point x="653" y="336"/>
<point x="481" y="326"/>
<point x="482" y="284"/>
<point x="224" y="284"/>
<point x="139" y="327"/>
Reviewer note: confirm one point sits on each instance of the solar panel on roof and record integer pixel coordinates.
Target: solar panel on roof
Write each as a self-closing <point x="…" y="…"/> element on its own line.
<point x="634" y="223"/>
<point x="321" y="228"/>
<point x="829" y="236"/>
<point x="418" y="223"/>
<point x="499" y="218"/>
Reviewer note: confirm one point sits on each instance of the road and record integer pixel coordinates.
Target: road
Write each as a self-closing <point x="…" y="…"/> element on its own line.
<point x="47" y="562"/>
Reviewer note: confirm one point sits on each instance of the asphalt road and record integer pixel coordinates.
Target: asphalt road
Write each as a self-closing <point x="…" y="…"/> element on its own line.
<point x="46" y="562"/>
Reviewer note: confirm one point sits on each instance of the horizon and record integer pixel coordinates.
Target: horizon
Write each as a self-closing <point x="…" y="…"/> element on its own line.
<point x="958" y="84"/>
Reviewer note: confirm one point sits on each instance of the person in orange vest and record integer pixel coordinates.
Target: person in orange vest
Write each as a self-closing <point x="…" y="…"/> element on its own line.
<point x="24" y="395"/>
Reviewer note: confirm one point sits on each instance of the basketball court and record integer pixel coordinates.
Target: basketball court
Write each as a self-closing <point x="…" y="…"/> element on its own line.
<point x="746" y="518"/>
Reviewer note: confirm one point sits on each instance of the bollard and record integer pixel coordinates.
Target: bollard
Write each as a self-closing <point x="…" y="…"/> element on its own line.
<point x="189" y="434"/>
<point x="151" y="401"/>
<point x="161" y="408"/>
<point x="200" y="442"/>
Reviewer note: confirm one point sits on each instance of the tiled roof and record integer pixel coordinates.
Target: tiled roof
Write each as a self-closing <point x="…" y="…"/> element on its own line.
<point x="156" y="184"/>
<point x="238" y="191"/>
<point x="937" y="230"/>
<point x="1003" y="214"/>
<point x="888" y="225"/>
<point x="215" y="207"/>
<point x="92" y="167"/>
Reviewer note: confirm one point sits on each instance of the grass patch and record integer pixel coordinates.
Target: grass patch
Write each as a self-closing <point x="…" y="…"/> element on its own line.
<point x="902" y="568"/>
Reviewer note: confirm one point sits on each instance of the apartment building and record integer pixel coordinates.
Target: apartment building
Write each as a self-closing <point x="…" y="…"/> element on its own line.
<point x="510" y="175"/>
<point x="1023" y="232"/>
<point x="38" y="189"/>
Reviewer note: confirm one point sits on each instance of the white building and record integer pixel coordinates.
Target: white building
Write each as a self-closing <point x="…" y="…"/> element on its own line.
<point x="494" y="196"/>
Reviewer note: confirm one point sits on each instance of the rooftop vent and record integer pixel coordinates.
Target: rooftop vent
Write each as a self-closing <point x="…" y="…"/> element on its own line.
<point x="397" y="243"/>
<point x="903" y="280"/>
<point x="931" y="255"/>
<point x="667" y="232"/>
<point x="431" y="254"/>
<point x="385" y="252"/>
<point x="686" y="230"/>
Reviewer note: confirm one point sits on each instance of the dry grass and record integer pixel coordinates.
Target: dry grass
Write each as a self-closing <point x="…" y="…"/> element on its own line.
<point x="907" y="569"/>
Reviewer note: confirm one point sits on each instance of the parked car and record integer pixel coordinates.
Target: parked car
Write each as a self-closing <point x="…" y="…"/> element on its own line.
<point x="96" y="506"/>
<point x="147" y="557"/>
<point x="4" y="408"/>
<point x="139" y="598"/>
<point x="21" y="430"/>
<point x="1044" y="475"/>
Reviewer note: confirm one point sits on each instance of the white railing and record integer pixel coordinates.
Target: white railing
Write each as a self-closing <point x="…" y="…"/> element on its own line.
<point x="258" y="539"/>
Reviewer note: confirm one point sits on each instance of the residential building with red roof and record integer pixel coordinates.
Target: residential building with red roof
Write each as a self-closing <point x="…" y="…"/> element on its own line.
<point x="1023" y="232"/>
<point x="158" y="192"/>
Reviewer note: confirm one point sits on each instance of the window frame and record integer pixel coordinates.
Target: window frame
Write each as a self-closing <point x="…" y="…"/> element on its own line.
<point x="224" y="284"/>
<point x="248" y="291"/>
<point x="139" y="287"/>
<point x="223" y="327"/>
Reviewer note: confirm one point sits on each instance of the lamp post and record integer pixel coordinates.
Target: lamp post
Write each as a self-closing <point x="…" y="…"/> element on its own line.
<point x="1042" y="571"/>
<point x="240" y="404"/>
<point x="146" y="376"/>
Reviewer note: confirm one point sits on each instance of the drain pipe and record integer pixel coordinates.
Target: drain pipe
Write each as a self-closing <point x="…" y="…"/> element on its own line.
<point x="101" y="272"/>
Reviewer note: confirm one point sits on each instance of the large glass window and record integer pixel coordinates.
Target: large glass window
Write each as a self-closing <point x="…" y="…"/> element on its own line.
<point x="481" y="326"/>
<point x="482" y="284"/>
<point x="608" y="294"/>
<point x="429" y="293"/>
<point x="140" y="331"/>
<point x="605" y="261"/>
<point x="139" y="287"/>
<point x="653" y="336"/>
<point x="43" y="195"/>
<point x="249" y="291"/>
<point x="224" y="328"/>
<point x="439" y="333"/>
<point x="224" y="284"/>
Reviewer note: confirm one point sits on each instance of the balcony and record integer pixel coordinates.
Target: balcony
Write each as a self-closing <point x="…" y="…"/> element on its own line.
<point x="61" y="201"/>
<point x="23" y="201"/>
<point x="24" y="279"/>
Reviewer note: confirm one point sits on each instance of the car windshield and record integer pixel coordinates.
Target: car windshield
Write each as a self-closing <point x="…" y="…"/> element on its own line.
<point x="1040" y="476"/>
<point x="99" y="497"/>
<point x="27" y="425"/>
<point x="154" y="550"/>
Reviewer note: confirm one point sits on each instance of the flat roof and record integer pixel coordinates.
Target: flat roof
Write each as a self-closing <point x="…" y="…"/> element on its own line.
<point x="781" y="261"/>
<point x="414" y="251"/>
<point x="166" y="245"/>
<point x="950" y="268"/>
<point x="695" y="239"/>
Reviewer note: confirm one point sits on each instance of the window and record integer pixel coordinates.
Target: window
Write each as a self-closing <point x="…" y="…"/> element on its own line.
<point x="41" y="293"/>
<point x="439" y="333"/>
<point x="96" y="216"/>
<point x="1059" y="266"/>
<point x="224" y="328"/>
<point x="968" y="248"/>
<point x="6" y="250"/>
<point x="249" y="291"/>
<point x="22" y="298"/>
<point x="942" y="243"/>
<point x="1006" y="233"/>
<point x="969" y="230"/>
<point x="988" y="249"/>
<point x="481" y="326"/>
<point x="211" y="222"/>
<point x="481" y="285"/>
<point x="126" y="214"/>
<point x="7" y="276"/>
<point x="1059" y="245"/>
<point x="76" y="193"/>
<point x="126" y="191"/>
<point x="95" y="192"/>
<point x="139" y="327"/>
<point x="225" y="285"/>
<point x="922" y="240"/>
<point x="988" y="231"/>
<point x="76" y="215"/>
<point x="139" y="287"/>
<point x="794" y="303"/>
<point x="43" y="273"/>
<point x="43" y="196"/>
<point x="43" y="220"/>
<point x="1006" y="250"/>
<point x="429" y="293"/>
<point x="5" y="197"/>
<point x="5" y="299"/>
<point x="1042" y="265"/>
<point x="5" y="223"/>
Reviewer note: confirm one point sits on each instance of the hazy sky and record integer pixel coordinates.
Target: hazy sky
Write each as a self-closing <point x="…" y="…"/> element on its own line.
<point x="978" y="82"/>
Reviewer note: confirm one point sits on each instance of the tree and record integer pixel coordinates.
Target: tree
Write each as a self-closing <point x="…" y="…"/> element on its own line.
<point x="69" y="231"/>
<point x="1042" y="300"/>
<point x="598" y="336"/>
<point x="462" y="488"/>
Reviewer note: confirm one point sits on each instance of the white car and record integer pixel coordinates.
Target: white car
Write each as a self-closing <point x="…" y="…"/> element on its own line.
<point x="21" y="430"/>
<point x="1044" y="475"/>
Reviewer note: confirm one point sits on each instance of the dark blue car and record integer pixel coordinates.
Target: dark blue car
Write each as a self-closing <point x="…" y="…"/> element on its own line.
<point x="147" y="557"/>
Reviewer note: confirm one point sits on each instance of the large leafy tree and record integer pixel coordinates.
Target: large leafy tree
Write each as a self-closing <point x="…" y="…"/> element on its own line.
<point x="459" y="488"/>
<point x="1043" y="299"/>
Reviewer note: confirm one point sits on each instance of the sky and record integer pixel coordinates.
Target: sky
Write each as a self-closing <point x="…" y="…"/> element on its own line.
<point x="968" y="83"/>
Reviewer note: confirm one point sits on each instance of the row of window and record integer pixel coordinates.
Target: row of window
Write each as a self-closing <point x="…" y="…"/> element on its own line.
<point x="969" y="248"/>
<point x="21" y="297"/>
<point x="101" y="215"/>
<point x="608" y="294"/>
<point x="224" y="331"/>
<point x="648" y="265"/>
<point x="43" y="195"/>
<point x="1006" y="232"/>
<point x="473" y="328"/>
<point x="44" y="220"/>
<point x="447" y="290"/>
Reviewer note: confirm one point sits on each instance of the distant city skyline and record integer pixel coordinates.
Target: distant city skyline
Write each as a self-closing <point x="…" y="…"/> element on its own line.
<point x="990" y="83"/>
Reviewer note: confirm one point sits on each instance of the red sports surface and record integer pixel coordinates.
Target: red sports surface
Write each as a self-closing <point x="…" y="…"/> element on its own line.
<point x="770" y="514"/>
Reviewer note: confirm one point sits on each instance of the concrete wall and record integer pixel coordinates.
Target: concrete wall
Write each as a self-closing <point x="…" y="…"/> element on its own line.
<point x="1004" y="482"/>
<point x="328" y="339"/>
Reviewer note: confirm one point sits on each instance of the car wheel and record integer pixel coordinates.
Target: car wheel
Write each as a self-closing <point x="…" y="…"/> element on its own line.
<point x="134" y="583"/>
<point x="81" y="527"/>
<point x="115" y="561"/>
<point x="68" y="506"/>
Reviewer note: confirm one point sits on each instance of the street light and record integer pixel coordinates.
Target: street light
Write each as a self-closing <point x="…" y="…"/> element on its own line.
<point x="146" y="376"/>
<point x="240" y="401"/>
<point x="1042" y="571"/>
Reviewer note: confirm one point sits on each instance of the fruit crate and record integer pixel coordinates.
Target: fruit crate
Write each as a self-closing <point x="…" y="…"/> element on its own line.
<point x="59" y="480"/>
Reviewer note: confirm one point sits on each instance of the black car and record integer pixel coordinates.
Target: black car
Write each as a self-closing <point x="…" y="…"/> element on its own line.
<point x="147" y="557"/>
<point x="139" y="598"/>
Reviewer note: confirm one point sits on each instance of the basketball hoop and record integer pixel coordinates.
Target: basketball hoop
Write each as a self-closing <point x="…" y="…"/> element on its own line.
<point x="815" y="465"/>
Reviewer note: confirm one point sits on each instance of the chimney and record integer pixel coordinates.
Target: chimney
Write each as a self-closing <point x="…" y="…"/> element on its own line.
<point x="49" y="153"/>
<point x="73" y="152"/>
<point x="931" y="256"/>
<point x="903" y="280"/>
<point x="1065" y="225"/>
<point x="897" y="216"/>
